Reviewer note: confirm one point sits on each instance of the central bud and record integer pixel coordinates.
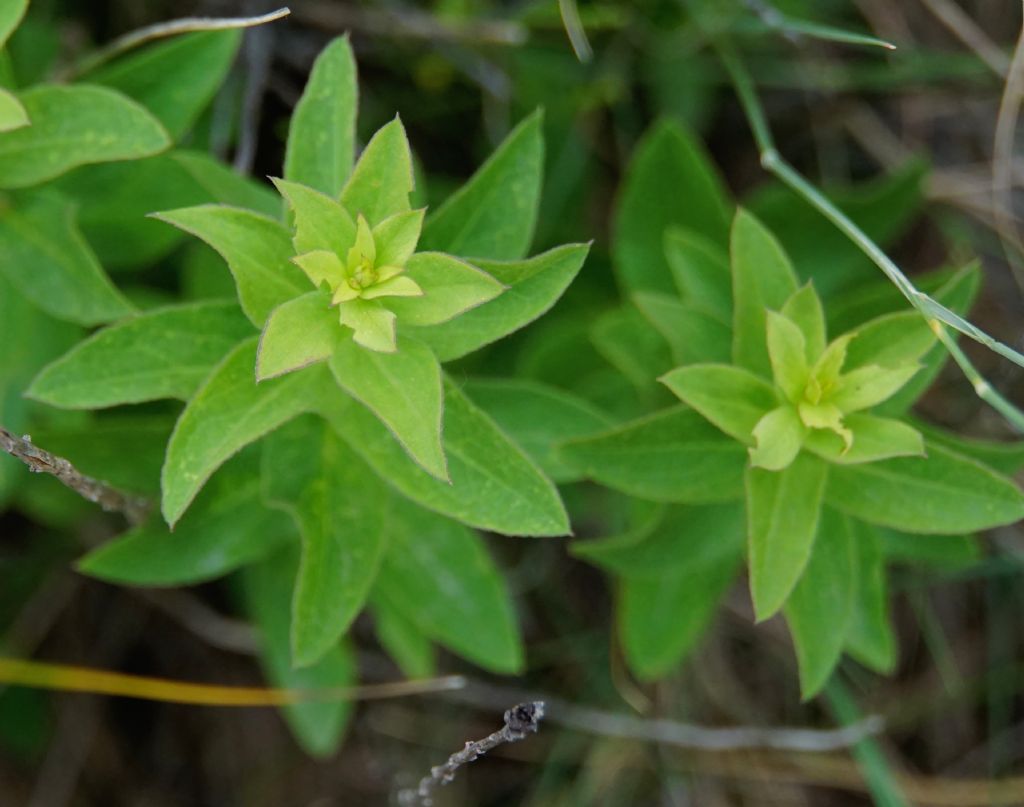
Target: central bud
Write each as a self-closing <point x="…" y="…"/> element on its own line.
<point x="362" y="272"/>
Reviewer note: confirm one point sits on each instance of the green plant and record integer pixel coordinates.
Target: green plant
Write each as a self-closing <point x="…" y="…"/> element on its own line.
<point x="793" y="445"/>
<point x="348" y="301"/>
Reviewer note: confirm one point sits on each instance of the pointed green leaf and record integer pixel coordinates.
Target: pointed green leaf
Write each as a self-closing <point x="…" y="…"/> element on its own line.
<point x="72" y="126"/>
<point x="382" y="180"/>
<point x="670" y="181"/>
<point x="298" y="333"/>
<point x="258" y="251"/>
<point x="176" y="78"/>
<point x="804" y="309"/>
<point x="661" y="618"/>
<point x="11" y="14"/>
<point x="821" y="608"/>
<point x="340" y="509"/>
<point x="494" y="214"/>
<point x="321" y="136"/>
<point x="450" y="288"/>
<point x="402" y="389"/>
<point x="43" y="255"/>
<point x="372" y="323"/>
<point x="762" y="278"/>
<point x="730" y="397"/>
<point x="401" y="639"/>
<point x="946" y="552"/>
<point x="494" y="486"/>
<point x="534" y="285"/>
<point x="890" y="341"/>
<point x="694" y="536"/>
<point x="227" y="528"/>
<point x="321" y="223"/>
<point x="870" y="385"/>
<point x="439" y="576"/>
<point x="870" y="637"/>
<point x="672" y="456"/>
<point x="941" y="493"/>
<point x="12" y="113"/>
<point x="787" y="352"/>
<point x="779" y="436"/>
<point x="537" y="417"/>
<point x="700" y="268"/>
<point x="694" y="335"/>
<point x="164" y="353"/>
<point x="317" y="725"/>
<point x="628" y="342"/>
<point x="783" y="509"/>
<point x="874" y="438"/>
<point x="229" y="411"/>
<point x="225" y="185"/>
<point x="396" y="238"/>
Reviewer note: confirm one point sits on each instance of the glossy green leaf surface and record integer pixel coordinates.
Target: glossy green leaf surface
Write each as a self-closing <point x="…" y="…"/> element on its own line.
<point x="229" y="411"/>
<point x="942" y="493"/>
<point x="341" y="511"/>
<point x="534" y="286"/>
<point x="403" y="390"/>
<point x="258" y="251"/>
<point x="321" y="136"/>
<point x="176" y="78"/>
<point x="494" y="485"/>
<point x="72" y="126"/>
<point x="65" y="280"/>
<point x="672" y="456"/>
<point x="783" y="509"/>
<point x="439" y="575"/>
<point x="494" y="214"/>
<point x="821" y="607"/>
<point x="164" y="353"/>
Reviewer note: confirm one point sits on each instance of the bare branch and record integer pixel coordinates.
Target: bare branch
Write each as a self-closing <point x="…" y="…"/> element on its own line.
<point x="673" y="733"/>
<point x="134" y="508"/>
<point x="520" y="721"/>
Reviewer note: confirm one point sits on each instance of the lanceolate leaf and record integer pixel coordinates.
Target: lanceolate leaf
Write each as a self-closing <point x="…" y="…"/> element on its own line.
<point x="228" y="527"/>
<point x="762" y="278"/>
<point x="783" y="509"/>
<point x="382" y="180"/>
<point x="11" y="14"/>
<point x="683" y="537"/>
<point x="732" y="398"/>
<point x="537" y="417"/>
<point x="670" y="181"/>
<point x="494" y="486"/>
<point x="450" y="288"/>
<point x="661" y="617"/>
<point x="1003" y="457"/>
<point x="673" y="456"/>
<point x="340" y="508"/>
<point x="942" y="493"/>
<point x="298" y="333"/>
<point x="694" y="334"/>
<point x="258" y="250"/>
<point x="401" y="639"/>
<point x="403" y="389"/>
<point x="165" y="353"/>
<point x="318" y="726"/>
<point x="321" y="137"/>
<point x="438" y="575"/>
<point x="700" y="269"/>
<point x="638" y="351"/>
<point x="225" y="185"/>
<point x="493" y="215"/>
<point x="174" y="79"/>
<point x="44" y="257"/>
<point x="72" y="126"/>
<point x="534" y="285"/>
<point x="870" y="638"/>
<point x="821" y="607"/>
<point x="229" y="411"/>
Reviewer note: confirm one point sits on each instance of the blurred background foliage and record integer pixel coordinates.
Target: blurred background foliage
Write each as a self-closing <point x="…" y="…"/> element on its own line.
<point x="462" y="73"/>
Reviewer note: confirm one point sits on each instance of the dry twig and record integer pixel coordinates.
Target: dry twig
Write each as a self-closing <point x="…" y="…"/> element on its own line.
<point x="134" y="508"/>
<point x="520" y="721"/>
